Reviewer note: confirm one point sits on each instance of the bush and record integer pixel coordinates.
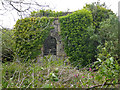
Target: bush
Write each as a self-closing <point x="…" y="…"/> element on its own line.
<point x="44" y="75"/>
<point x="30" y="34"/>
<point x="99" y="12"/>
<point x="74" y="32"/>
<point x="108" y="32"/>
<point x="7" y="45"/>
<point x="107" y="55"/>
<point x="108" y="66"/>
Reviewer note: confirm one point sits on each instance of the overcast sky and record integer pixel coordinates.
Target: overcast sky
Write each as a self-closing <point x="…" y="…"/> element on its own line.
<point x="9" y="19"/>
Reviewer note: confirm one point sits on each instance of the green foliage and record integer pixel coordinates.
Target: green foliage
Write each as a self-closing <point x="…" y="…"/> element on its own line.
<point x="83" y="46"/>
<point x="83" y="33"/>
<point x="74" y="32"/>
<point x="30" y="34"/>
<point x="108" y="66"/>
<point x="47" y="86"/>
<point x="47" y="13"/>
<point x="30" y="75"/>
<point x="108" y="32"/>
<point x="53" y="77"/>
<point x="7" y="45"/>
<point x="99" y="12"/>
<point x="107" y="37"/>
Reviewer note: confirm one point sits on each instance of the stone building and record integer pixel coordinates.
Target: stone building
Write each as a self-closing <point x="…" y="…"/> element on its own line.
<point x="53" y="44"/>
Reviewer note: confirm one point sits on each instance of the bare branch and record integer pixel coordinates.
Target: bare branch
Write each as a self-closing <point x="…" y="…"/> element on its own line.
<point x="14" y="7"/>
<point x="41" y="5"/>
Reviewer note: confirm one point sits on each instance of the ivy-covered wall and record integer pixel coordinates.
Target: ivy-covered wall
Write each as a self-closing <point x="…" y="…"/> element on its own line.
<point x="75" y="36"/>
<point x="30" y="34"/>
<point x="76" y="30"/>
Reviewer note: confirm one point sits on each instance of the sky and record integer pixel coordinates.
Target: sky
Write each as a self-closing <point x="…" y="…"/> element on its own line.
<point x="9" y="19"/>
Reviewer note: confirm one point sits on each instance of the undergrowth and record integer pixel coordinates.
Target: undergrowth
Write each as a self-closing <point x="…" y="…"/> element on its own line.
<point x="49" y="73"/>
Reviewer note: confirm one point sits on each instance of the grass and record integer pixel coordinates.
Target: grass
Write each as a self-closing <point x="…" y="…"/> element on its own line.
<point x="49" y="74"/>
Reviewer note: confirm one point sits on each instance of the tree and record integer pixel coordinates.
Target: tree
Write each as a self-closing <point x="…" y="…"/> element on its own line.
<point x="107" y="36"/>
<point x="22" y="7"/>
<point x="99" y="12"/>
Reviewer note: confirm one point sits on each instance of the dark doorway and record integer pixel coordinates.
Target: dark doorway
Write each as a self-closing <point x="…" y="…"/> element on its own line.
<point x="50" y="46"/>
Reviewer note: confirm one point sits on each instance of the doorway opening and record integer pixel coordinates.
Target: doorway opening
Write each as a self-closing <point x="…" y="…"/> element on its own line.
<point x="49" y="46"/>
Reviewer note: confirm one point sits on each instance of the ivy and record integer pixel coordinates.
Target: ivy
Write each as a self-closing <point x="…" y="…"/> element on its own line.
<point x="47" y="13"/>
<point x="74" y="32"/>
<point x="30" y="34"/>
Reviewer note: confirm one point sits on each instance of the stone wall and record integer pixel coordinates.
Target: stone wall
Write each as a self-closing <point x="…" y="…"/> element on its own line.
<point x="55" y="34"/>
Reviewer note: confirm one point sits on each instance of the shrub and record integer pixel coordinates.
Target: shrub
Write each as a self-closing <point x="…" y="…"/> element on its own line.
<point x="108" y="66"/>
<point x="7" y="45"/>
<point x="107" y="55"/>
<point x="74" y="32"/>
<point x="30" y="34"/>
<point x="99" y="12"/>
<point x="108" y="32"/>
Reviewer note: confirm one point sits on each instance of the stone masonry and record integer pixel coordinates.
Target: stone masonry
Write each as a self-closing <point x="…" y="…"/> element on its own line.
<point x="53" y="44"/>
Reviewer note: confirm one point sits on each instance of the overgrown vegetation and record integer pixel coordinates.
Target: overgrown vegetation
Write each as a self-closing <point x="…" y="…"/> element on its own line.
<point x="30" y="34"/>
<point x="81" y="33"/>
<point x="54" y="74"/>
<point x="7" y="45"/>
<point x="47" y="13"/>
<point x="99" y="12"/>
<point x="76" y="37"/>
<point x="90" y="38"/>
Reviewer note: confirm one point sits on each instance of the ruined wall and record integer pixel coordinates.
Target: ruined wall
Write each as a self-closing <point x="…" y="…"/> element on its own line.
<point x="55" y="34"/>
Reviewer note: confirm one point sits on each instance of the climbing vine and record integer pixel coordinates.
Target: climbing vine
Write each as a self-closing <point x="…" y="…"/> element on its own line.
<point x="47" y="13"/>
<point x="30" y="34"/>
<point x="75" y="36"/>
